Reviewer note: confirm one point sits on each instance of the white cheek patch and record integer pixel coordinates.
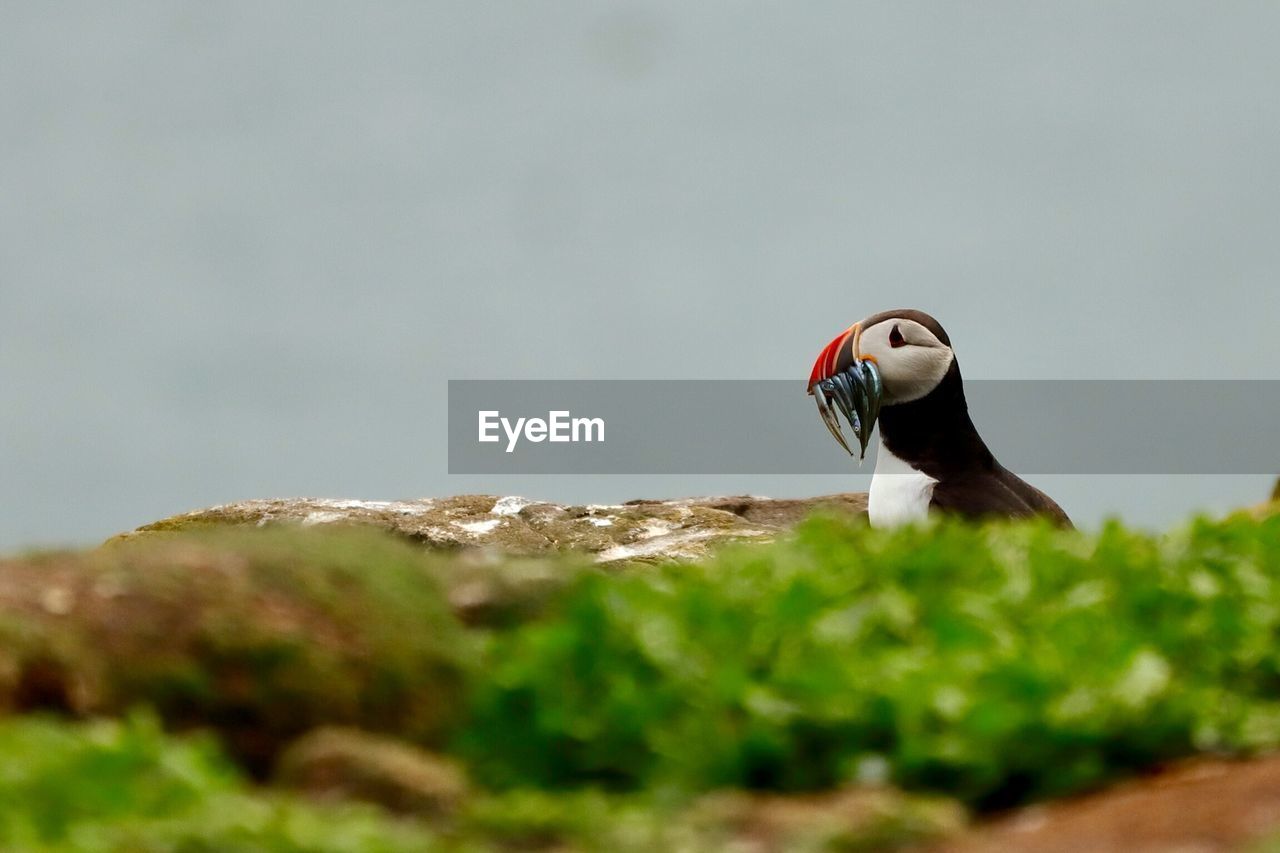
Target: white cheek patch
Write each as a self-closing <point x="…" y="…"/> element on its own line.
<point x="908" y="372"/>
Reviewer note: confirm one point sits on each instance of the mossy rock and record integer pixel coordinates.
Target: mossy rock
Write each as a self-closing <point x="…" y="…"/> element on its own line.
<point x="850" y="819"/>
<point x="642" y="530"/>
<point x="261" y="635"/>
<point x="334" y="763"/>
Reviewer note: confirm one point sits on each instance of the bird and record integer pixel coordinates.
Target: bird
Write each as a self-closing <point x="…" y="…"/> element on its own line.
<point x="898" y="368"/>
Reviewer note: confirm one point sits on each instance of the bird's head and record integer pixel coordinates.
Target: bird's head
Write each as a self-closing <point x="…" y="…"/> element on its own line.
<point x="889" y="358"/>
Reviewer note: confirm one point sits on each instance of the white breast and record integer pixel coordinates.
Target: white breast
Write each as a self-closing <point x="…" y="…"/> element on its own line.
<point x="899" y="493"/>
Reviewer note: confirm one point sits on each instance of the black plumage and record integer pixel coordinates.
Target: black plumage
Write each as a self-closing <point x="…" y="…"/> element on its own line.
<point x="936" y="436"/>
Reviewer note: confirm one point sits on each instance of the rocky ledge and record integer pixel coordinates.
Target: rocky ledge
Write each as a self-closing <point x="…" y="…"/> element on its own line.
<point x="635" y="530"/>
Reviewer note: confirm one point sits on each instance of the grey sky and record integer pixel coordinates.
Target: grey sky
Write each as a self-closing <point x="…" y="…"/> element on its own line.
<point x="243" y="245"/>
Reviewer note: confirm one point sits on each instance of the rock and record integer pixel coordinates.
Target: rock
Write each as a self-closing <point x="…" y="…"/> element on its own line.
<point x="1269" y="507"/>
<point x="846" y="819"/>
<point x="258" y="635"/>
<point x="348" y="764"/>
<point x="636" y="530"/>
<point x="1206" y="805"/>
<point x="776" y="512"/>
<point x="873" y="818"/>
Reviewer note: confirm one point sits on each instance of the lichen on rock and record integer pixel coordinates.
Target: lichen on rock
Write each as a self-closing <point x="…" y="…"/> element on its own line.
<point x="640" y="530"/>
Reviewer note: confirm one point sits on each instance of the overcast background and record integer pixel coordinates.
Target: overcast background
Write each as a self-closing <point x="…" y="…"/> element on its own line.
<point x="244" y="245"/>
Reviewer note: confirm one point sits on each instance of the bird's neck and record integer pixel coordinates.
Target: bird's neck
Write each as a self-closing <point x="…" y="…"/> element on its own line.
<point x="934" y="433"/>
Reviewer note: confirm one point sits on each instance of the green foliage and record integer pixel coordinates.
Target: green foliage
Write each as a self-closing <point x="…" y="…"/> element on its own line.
<point x="529" y="819"/>
<point x="995" y="663"/>
<point x="124" y="787"/>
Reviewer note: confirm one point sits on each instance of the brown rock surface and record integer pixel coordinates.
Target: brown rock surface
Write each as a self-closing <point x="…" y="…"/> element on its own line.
<point x="637" y="530"/>
<point x="1202" y="806"/>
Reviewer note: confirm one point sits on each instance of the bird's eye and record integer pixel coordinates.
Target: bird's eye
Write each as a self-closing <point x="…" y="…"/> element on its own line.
<point x="895" y="338"/>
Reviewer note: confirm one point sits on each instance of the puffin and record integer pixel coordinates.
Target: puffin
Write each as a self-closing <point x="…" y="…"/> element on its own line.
<point x="897" y="368"/>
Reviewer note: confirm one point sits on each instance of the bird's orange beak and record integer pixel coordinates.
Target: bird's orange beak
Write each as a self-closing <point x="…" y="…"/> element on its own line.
<point x="835" y="356"/>
<point x="841" y="375"/>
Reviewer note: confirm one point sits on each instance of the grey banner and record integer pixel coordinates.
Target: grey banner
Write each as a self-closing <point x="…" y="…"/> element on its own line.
<point x="772" y="427"/>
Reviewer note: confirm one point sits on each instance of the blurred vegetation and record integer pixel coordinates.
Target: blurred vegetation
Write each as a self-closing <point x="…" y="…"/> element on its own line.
<point x="124" y="787"/>
<point x="996" y="664"/>
<point x="591" y="709"/>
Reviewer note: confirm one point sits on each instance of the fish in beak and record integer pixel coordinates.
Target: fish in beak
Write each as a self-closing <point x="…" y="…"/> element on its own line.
<point x="852" y="383"/>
